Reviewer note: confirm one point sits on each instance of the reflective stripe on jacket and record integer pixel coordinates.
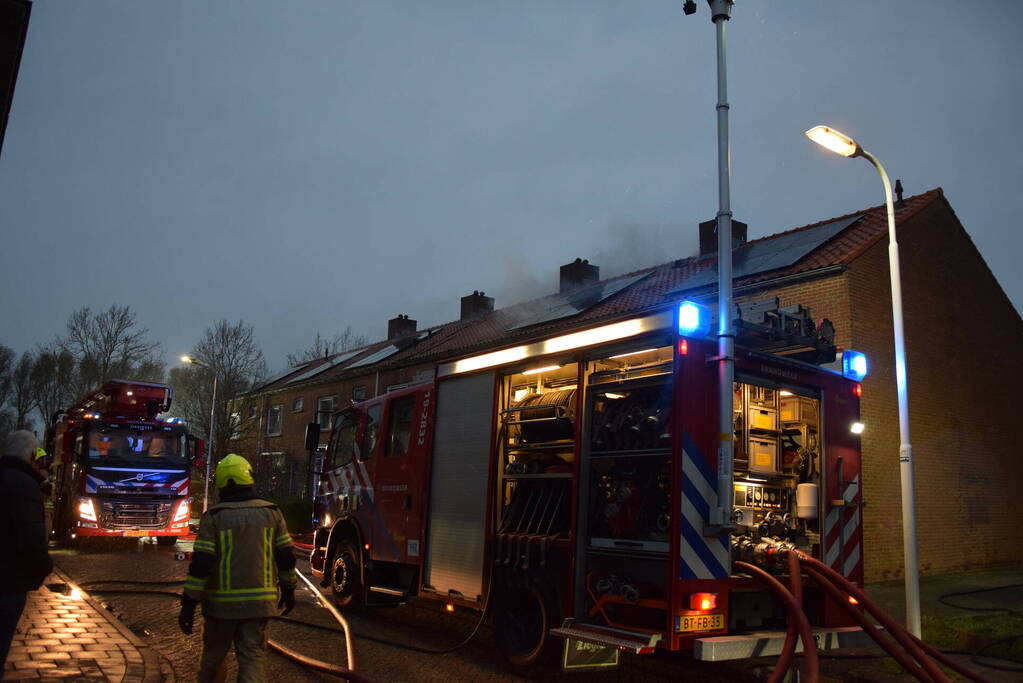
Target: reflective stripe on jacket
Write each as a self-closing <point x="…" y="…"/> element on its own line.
<point x="251" y="552"/>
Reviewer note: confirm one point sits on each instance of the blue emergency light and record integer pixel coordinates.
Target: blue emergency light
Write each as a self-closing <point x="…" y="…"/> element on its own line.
<point x="693" y="319"/>
<point x="854" y="365"/>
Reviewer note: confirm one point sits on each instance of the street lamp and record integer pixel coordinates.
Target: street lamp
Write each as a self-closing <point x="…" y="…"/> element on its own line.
<point x="847" y="147"/>
<point x="213" y="413"/>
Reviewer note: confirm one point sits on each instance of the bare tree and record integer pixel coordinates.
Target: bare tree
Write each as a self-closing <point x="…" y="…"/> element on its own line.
<point x="7" y="363"/>
<point x="7" y="357"/>
<point x="232" y="353"/>
<point x="22" y="397"/>
<point x="53" y="379"/>
<point x="109" y="345"/>
<point x="326" y="346"/>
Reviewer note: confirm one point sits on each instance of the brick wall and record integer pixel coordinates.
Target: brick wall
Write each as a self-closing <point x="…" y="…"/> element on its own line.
<point x="963" y="366"/>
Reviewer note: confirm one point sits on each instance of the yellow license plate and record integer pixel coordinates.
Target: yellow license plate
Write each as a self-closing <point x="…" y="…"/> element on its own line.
<point x="133" y="532"/>
<point x="689" y="623"/>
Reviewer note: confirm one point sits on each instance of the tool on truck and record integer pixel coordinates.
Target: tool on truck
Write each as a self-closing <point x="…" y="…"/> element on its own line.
<point x="119" y="469"/>
<point x="566" y="485"/>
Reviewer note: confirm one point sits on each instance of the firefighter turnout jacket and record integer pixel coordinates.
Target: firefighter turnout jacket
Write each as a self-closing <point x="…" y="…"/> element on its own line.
<point x="242" y="551"/>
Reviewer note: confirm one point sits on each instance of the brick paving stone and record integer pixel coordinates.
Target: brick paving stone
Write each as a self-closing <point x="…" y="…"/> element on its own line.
<point x="68" y="636"/>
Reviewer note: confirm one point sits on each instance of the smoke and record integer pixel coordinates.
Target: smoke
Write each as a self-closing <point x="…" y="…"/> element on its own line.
<point x="629" y="245"/>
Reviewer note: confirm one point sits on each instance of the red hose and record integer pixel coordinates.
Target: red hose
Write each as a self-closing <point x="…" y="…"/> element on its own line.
<point x="809" y="644"/>
<point x="781" y="667"/>
<point x="889" y="646"/>
<point x="895" y="629"/>
<point x="317" y="665"/>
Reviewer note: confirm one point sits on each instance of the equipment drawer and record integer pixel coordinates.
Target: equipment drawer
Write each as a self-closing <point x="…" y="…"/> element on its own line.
<point x="763" y="454"/>
<point x="799" y="409"/>
<point x="761" y="417"/>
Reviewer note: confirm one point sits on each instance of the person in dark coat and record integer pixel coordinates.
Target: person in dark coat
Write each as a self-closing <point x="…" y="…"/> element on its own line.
<point x="24" y="560"/>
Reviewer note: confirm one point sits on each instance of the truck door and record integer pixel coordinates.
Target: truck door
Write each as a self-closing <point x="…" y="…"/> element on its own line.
<point x="400" y="473"/>
<point x="459" y="475"/>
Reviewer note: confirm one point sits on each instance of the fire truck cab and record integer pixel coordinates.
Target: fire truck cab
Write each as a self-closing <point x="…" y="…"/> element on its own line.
<point x="567" y="485"/>
<point x="120" y="470"/>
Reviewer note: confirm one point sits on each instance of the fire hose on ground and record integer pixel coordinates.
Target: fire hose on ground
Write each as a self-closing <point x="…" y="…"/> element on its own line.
<point x="918" y="658"/>
<point x="348" y="673"/>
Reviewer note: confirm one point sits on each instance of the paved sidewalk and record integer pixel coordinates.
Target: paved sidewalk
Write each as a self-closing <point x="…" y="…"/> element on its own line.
<point x="68" y="635"/>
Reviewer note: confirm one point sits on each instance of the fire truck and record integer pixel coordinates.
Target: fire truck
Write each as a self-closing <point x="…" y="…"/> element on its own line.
<point x="566" y="487"/>
<point x="118" y="469"/>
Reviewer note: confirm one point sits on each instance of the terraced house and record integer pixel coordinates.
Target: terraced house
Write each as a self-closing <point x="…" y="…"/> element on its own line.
<point x="964" y="365"/>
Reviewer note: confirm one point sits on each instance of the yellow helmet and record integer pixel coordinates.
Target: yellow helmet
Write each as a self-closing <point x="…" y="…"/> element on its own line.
<point x="40" y="454"/>
<point x="234" y="468"/>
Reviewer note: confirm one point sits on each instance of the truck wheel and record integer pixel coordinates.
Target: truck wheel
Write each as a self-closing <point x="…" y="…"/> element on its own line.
<point x="345" y="576"/>
<point x="523" y="619"/>
<point x="166" y="540"/>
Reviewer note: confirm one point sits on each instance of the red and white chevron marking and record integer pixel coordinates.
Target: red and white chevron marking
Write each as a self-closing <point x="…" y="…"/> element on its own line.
<point x="843" y="525"/>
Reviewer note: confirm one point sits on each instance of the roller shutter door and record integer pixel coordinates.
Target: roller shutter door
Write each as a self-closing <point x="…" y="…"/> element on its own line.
<point x="458" y="486"/>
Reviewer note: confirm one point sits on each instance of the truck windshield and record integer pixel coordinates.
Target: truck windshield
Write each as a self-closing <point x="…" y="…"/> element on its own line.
<point x="152" y="447"/>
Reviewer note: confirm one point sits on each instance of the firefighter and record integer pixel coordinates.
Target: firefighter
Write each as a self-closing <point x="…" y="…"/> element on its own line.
<point x="42" y="466"/>
<point x="242" y="552"/>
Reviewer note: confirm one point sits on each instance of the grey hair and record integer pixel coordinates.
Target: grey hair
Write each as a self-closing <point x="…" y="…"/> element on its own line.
<point x="21" y="444"/>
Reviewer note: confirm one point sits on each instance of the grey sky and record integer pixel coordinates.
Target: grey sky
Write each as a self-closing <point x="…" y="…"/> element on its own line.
<point x="307" y="165"/>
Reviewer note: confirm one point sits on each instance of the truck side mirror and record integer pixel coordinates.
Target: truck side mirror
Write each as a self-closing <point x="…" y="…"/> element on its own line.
<point x="197" y="452"/>
<point x="312" y="436"/>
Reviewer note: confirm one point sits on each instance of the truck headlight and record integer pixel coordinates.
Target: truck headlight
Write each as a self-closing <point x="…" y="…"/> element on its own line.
<point x="87" y="509"/>
<point x="183" y="511"/>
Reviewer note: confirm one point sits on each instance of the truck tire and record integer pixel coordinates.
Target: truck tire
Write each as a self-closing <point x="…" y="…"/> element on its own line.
<point x="346" y="576"/>
<point x="166" y="540"/>
<point x="524" y="615"/>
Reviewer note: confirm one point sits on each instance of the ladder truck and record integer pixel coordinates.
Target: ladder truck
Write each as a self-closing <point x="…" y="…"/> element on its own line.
<point x="119" y="469"/>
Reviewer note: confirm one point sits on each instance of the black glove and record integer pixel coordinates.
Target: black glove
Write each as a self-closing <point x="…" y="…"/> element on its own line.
<point x="187" y="617"/>
<point x="287" y="601"/>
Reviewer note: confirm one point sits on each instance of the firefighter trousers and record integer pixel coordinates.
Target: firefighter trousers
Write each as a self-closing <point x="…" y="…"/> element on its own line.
<point x="249" y="639"/>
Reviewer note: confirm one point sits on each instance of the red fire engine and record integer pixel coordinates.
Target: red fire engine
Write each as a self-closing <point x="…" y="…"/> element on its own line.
<point x="567" y="486"/>
<point x="119" y="470"/>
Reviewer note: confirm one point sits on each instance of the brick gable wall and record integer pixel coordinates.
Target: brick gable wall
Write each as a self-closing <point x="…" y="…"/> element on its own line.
<point x="963" y="366"/>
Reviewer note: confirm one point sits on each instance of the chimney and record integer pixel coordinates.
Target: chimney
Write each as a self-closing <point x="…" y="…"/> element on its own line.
<point x="400" y="327"/>
<point x="709" y="236"/>
<point x="577" y="274"/>
<point x="476" y="305"/>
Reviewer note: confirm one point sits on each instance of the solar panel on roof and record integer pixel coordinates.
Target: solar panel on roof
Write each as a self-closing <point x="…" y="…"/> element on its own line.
<point x="323" y="367"/>
<point x="564" y="305"/>
<point x="770" y="254"/>
<point x="280" y="375"/>
<point x="376" y="356"/>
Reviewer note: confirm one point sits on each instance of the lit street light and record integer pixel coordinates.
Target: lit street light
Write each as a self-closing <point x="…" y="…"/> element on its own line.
<point x="213" y="412"/>
<point x="847" y="147"/>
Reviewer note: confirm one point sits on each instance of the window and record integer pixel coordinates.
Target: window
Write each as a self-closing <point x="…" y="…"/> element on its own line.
<point x="369" y="437"/>
<point x="274" y="420"/>
<point x="342" y="448"/>
<point x="401" y="426"/>
<point x="324" y="408"/>
<point x="297" y="405"/>
<point x="252" y="412"/>
<point x="359" y="392"/>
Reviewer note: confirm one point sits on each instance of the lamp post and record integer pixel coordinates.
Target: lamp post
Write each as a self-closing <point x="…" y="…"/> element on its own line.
<point x="213" y="415"/>
<point x="847" y="147"/>
<point x="721" y="514"/>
